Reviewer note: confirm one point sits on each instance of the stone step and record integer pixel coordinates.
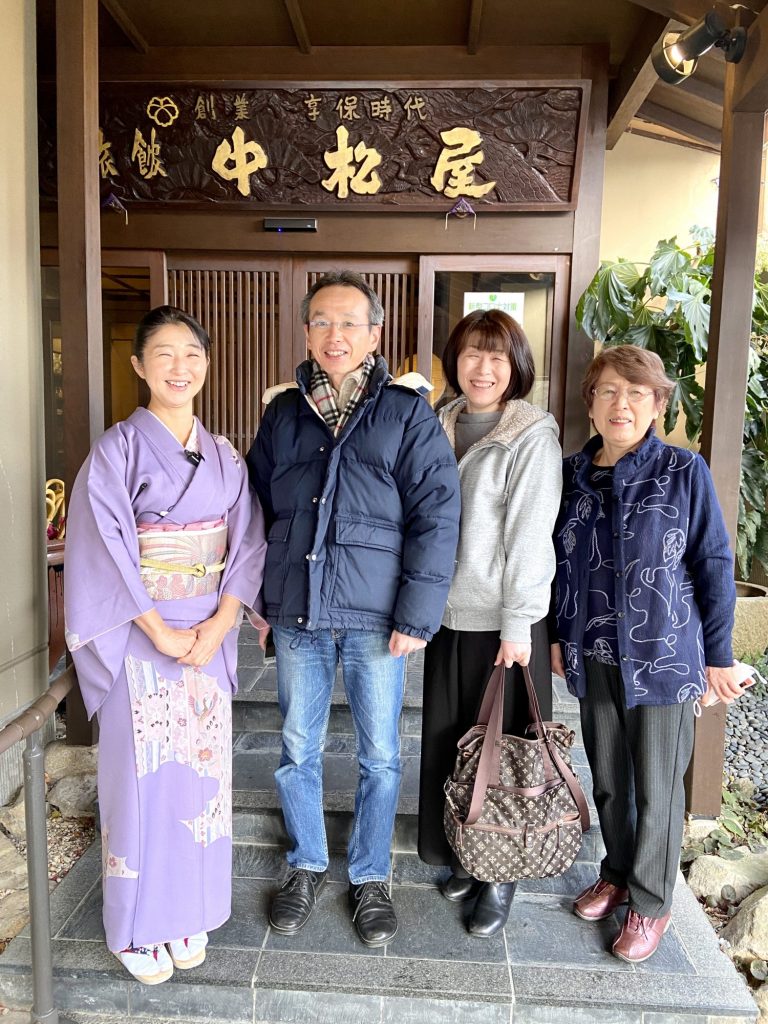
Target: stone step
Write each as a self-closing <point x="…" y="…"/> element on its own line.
<point x="257" y="817"/>
<point x="256" y="708"/>
<point x="546" y="966"/>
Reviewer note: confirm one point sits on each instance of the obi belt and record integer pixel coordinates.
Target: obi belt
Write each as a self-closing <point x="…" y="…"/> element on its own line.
<point x="175" y="564"/>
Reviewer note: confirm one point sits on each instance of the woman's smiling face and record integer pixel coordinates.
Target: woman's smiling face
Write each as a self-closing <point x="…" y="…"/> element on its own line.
<point x="483" y="376"/>
<point x="622" y="411"/>
<point x="174" y="365"/>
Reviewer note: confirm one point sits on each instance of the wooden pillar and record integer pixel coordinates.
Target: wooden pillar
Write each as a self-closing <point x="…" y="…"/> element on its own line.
<point x="77" y="111"/>
<point x="727" y="361"/>
<point x="586" y="245"/>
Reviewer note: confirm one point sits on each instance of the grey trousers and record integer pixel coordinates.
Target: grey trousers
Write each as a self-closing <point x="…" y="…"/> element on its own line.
<point x="638" y="758"/>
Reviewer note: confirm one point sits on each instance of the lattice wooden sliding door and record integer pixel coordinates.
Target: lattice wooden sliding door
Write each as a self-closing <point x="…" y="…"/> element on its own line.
<point x="395" y="282"/>
<point x="246" y="307"/>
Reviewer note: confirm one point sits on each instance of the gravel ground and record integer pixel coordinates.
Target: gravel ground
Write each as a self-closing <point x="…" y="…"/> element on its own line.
<point x="746" y="734"/>
<point x="68" y="839"/>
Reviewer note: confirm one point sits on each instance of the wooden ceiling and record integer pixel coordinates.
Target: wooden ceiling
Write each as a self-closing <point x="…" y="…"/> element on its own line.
<point x="137" y="34"/>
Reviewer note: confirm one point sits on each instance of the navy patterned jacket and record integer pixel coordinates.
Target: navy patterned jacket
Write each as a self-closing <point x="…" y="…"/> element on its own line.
<point x="675" y="592"/>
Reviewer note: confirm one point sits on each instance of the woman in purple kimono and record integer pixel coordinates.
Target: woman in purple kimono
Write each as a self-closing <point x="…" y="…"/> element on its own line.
<point x="165" y="544"/>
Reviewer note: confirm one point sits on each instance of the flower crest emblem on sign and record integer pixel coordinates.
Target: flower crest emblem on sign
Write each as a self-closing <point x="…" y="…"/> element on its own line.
<point x="162" y="110"/>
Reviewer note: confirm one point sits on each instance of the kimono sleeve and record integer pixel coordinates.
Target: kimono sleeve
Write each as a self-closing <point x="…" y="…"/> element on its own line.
<point x="103" y="588"/>
<point x="247" y="550"/>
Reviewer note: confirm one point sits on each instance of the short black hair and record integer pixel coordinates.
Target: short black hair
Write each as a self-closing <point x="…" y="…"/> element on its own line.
<point x="491" y="330"/>
<point x="159" y="317"/>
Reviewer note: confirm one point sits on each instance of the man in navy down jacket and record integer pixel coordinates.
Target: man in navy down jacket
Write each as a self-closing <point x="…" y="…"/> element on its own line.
<point x="360" y="494"/>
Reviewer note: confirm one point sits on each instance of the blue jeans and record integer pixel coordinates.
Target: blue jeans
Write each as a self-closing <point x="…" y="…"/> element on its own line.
<point x="373" y="679"/>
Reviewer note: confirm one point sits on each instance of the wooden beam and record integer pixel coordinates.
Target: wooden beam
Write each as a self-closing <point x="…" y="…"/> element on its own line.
<point x="679" y="122"/>
<point x="297" y="24"/>
<point x="696" y="86"/>
<point x="726" y="382"/>
<point x="660" y="134"/>
<point x="586" y="246"/>
<point x="77" y="109"/>
<point x="686" y="11"/>
<point x="242" y="65"/>
<point x="115" y="10"/>
<point x="751" y="89"/>
<point x="636" y="76"/>
<point x="475" y="20"/>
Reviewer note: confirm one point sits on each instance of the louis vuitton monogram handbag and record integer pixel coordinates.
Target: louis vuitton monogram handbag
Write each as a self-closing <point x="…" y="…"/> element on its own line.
<point x="514" y="807"/>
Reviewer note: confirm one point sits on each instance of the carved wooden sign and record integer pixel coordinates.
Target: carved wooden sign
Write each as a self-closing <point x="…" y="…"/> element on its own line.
<point x="509" y="147"/>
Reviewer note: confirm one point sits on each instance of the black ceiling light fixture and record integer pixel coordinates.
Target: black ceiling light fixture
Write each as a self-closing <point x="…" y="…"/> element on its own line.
<point x="675" y="56"/>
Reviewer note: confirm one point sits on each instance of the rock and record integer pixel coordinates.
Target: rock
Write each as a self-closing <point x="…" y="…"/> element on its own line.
<point x="12" y="817"/>
<point x="709" y="874"/>
<point x="14" y="913"/>
<point x="699" y="828"/>
<point x="747" y="932"/>
<point x="74" y="796"/>
<point x="13" y="867"/>
<point x="62" y="761"/>
<point x="761" y="998"/>
<point x="744" y="787"/>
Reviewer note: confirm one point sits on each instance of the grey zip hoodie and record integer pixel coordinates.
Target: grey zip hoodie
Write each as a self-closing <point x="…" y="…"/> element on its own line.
<point x="510" y="495"/>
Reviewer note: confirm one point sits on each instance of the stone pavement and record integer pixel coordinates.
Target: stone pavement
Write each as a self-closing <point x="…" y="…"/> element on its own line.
<point x="547" y="967"/>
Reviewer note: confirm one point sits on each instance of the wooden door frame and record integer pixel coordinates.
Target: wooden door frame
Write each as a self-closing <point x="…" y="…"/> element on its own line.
<point x="153" y="259"/>
<point x="546" y="263"/>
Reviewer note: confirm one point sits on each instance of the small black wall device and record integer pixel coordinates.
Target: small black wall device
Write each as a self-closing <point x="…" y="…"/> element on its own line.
<point x="290" y="224"/>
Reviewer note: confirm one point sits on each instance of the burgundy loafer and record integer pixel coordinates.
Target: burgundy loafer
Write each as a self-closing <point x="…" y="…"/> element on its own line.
<point x="599" y="901"/>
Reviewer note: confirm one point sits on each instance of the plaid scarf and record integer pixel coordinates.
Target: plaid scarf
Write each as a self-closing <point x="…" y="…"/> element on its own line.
<point x="325" y="398"/>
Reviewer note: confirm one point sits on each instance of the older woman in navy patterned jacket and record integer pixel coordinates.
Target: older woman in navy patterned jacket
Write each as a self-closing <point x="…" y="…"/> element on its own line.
<point x="644" y="600"/>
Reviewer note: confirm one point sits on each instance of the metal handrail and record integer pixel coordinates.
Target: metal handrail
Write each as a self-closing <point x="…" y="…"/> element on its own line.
<point x="27" y="726"/>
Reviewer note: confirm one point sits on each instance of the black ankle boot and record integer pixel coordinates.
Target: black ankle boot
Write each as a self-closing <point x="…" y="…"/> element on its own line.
<point x="457" y="888"/>
<point x="491" y="909"/>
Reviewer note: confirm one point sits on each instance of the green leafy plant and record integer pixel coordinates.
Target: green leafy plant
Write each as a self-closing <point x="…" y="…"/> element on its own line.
<point x="742" y="824"/>
<point x="664" y="306"/>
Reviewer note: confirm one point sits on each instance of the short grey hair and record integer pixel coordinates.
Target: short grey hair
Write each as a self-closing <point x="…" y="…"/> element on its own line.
<point x="347" y="279"/>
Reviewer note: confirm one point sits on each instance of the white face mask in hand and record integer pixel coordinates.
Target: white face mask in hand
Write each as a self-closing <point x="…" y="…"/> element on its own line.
<point x="746" y="676"/>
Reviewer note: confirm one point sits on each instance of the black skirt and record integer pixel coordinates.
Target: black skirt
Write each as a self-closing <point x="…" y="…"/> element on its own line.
<point x="457" y="665"/>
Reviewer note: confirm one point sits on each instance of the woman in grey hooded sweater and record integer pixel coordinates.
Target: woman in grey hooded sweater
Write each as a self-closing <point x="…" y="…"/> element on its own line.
<point x="510" y="468"/>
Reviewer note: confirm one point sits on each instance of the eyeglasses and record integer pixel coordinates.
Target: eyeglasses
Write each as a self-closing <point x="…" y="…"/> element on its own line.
<point x="343" y="325"/>
<point x="608" y="393"/>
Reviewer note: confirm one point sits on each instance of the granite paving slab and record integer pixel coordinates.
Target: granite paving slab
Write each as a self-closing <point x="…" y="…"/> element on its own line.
<point x="431" y="972"/>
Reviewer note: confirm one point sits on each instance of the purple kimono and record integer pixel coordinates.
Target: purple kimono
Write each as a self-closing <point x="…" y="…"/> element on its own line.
<point x="165" y="747"/>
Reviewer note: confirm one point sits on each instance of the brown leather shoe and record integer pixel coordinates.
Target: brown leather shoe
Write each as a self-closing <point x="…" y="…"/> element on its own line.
<point x="599" y="901"/>
<point x="640" y="936"/>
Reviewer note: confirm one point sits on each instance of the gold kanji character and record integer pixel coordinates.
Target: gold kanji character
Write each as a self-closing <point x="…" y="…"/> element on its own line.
<point x="238" y="152"/>
<point x="242" y="107"/>
<point x="455" y="168"/>
<point x="347" y="108"/>
<point x="205" y="107"/>
<point x="381" y="108"/>
<point x="416" y="105"/>
<point x="363" y="179"/>
<point x="313" y="107"/>
<point x="107" y="166"/>
<point x="147" y="155"/>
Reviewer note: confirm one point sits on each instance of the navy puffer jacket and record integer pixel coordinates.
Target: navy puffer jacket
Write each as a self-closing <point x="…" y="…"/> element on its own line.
<point x="362" y="528"/>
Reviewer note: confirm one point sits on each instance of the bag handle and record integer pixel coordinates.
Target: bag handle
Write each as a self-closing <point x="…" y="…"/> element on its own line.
<point x="491" y="716"/>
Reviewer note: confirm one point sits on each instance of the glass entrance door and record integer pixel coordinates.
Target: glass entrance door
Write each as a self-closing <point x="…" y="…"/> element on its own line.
<point x="532" y="289"/>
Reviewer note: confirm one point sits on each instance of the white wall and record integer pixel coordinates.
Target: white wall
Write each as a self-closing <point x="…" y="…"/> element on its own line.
<point x="654" y="190"/>
<point x="23" y="593"/>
